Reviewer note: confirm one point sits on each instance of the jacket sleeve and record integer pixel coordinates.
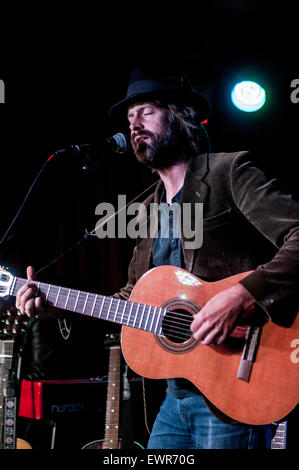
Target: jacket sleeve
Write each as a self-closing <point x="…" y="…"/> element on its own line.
<point x="125" y="291"/>
<point x="275" y="284"/>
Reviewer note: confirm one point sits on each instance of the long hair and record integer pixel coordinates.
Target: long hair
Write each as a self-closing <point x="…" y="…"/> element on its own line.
<point x="188" y="122"/>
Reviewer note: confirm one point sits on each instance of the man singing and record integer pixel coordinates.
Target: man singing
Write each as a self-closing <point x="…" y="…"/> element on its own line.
<point x="249" y="224"/>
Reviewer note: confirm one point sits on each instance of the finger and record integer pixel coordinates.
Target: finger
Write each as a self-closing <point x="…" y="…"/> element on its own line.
<point x="222" y="337"/>
<point x="207" y="339"/>
<point x="211" y="338"/>
<point x="31" y="276"/>
<point x="38" y="304"/>
<point x="199" y="319"/>
<point x="202" y="332"/>
<point x="21" y="292"/>
<point x="29" y="308"/>
<point x="28" y="294"/>
<point x="196" y="322"/>
<point x="31" y="273"/>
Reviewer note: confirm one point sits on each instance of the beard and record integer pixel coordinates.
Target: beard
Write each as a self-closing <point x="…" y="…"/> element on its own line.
<point x="163" y="151"/>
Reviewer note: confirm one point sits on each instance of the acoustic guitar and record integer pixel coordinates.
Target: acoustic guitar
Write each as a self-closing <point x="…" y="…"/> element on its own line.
<point x="111" y="436"/>
<point x="252" y="378"/>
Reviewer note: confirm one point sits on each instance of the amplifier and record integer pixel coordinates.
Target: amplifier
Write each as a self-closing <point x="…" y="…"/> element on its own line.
<point x="51" y="399"/>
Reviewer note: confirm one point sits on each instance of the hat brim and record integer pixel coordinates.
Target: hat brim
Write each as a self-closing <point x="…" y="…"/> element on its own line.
<point x="118" y="112"/>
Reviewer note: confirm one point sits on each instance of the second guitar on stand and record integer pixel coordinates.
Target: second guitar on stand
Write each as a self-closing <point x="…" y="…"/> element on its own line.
<point x="112" y="438"/>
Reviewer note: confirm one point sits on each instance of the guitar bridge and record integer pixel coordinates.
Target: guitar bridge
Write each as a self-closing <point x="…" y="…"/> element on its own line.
<point x="249" y="352"/>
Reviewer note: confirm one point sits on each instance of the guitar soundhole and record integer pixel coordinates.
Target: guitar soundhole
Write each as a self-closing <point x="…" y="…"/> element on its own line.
<point x="176" y="325"/>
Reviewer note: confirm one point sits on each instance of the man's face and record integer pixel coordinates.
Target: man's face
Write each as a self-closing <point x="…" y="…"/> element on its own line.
<point x="149" y="127"/>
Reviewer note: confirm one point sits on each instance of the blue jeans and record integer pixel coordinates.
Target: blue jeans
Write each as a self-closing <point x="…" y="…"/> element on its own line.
<point x="187" y="423"/>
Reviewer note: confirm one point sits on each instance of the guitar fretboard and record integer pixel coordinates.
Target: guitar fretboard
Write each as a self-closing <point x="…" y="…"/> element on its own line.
<point x="279" y="440"/>
<point x="143" y="317"/>
<point x="113" y="394"/>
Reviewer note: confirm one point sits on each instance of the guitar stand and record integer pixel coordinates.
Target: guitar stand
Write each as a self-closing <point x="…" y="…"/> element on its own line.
<point x="53" y="433"/>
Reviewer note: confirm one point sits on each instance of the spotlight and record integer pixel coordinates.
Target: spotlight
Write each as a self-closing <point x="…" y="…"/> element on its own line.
<point x="248" y="96"/>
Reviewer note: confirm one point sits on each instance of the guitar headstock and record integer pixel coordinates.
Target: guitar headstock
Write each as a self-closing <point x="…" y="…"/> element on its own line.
<point x="112" y="339"/>
<point x="6" y="279"/>
<point x="12" y="322"/>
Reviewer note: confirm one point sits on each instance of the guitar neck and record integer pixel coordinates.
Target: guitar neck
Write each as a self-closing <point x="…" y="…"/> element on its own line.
<point x="280" y="437"/>
<point x="111" y="439"/>
<point x="140" y="316"/>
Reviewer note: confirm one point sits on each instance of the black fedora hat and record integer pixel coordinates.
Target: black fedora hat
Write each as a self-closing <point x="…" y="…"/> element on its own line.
<point x="149" y="82"/>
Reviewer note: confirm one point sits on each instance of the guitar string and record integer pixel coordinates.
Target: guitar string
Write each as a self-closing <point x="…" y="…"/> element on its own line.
<point x="176" y="326"/>
<point x="73" y="295"/>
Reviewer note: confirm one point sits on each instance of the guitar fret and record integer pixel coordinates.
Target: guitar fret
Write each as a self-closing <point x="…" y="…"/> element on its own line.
<point x="13" y="285"/>
<point x="109" y="308"/>
<point x="94" y="304"/>
<point x="102" y="305"/>
<point x="55" y="303"/>
<point x="116" y="309"/>
<point x="48" y="292"/>
<point x="157" y="321"/>
<point x="75" y="306"/>
<point x="38" y="286"/>
<point x="153" y="317"/>
<point x="67" y="298"/>
<point x="136" y="314"/>
<point x="148" y="315"/>
<point x="123" y="312"/>
<point x="128" y="320"/>
<point x="84" y="307"/>
<point x="141" y="318"/>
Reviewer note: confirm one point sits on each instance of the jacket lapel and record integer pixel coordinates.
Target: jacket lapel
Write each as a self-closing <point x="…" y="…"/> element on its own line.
<point x="195" y="190"/>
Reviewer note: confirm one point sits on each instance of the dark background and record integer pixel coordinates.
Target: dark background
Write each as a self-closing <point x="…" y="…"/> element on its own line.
<point x="62" y="71"/>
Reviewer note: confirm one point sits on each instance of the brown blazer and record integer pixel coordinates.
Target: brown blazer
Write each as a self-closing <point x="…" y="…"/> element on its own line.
<point x="248" y="224"/>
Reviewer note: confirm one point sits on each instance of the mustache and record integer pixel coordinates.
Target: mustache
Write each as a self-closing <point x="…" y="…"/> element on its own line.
<point x="141" y="134"/>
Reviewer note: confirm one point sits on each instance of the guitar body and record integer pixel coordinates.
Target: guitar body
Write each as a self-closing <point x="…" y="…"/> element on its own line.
<point x="273" y="388"/>
<point x="101" y="445"/>
<point x="21" y="444"/>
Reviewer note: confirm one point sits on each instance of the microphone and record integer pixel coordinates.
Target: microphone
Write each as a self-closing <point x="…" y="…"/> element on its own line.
<point x="118" y="143"/>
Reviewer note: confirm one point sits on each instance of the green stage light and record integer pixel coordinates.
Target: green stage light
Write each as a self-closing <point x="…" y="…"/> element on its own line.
<point x="248" y="96"/>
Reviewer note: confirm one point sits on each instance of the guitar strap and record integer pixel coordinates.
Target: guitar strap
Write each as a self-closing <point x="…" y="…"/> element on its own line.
<point x="10" y="395"/>
<point x="10" y="416"/>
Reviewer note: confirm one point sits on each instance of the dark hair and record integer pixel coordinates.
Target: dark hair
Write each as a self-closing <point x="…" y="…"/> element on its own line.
<point x="188" y="120"/>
